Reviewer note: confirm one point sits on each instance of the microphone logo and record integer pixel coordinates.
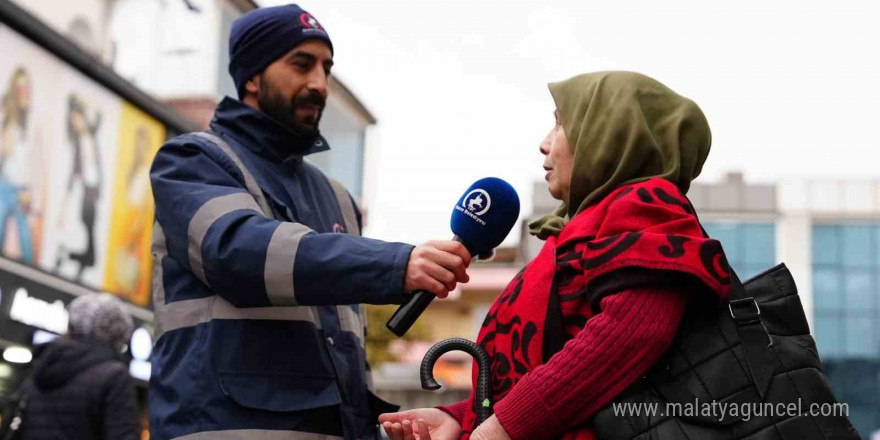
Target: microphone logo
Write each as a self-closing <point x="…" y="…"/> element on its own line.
<point x="477" y="202"/>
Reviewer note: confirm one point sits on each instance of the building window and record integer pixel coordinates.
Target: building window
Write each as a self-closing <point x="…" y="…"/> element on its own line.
<point x="846" y="301"/>
<point x="81" y="33"/>
<point x="225" y="85"/>
<point x="345" y="159"/>
<point x="750" y="247"/>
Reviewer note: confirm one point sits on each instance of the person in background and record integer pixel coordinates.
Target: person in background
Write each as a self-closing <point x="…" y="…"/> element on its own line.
<point x="80" y="388"/>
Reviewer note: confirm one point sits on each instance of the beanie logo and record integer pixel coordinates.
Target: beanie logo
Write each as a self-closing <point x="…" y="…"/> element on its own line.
<point x="310" y="22"/>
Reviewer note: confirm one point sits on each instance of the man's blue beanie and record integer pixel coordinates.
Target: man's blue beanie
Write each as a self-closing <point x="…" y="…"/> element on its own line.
<point x="263" y="35"/>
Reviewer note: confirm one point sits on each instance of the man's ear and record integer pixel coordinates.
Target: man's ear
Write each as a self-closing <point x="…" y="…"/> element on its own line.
<point x="253" y="85"/>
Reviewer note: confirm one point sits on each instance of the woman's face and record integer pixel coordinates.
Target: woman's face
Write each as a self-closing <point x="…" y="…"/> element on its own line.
<point x="79" y="123"/>
<point x="558" y="161"/>
<point x="23" y="92"/>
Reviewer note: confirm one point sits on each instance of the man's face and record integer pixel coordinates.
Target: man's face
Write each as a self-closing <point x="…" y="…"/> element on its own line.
<point x="293" y="89"/>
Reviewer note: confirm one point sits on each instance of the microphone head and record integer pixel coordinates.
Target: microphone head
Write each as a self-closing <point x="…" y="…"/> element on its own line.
<point x="485" y="214"/>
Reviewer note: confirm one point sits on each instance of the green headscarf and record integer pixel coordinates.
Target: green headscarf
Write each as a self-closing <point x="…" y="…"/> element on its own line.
<point x="623" y="128"/>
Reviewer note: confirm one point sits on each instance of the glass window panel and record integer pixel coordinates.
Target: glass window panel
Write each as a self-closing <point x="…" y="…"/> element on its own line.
<point x="864" y="419"/>
<point x="759" y="243"/>
<point x="860" y="337"/>
<point x="825" y="244"/>
<point x="856" y="249"/>
<point x="827" y="289"/>
<point x="858" y="291"/>
<point x="728" y="235"/>
<point x="746" y="271"/>
<point x="877" y="250"/>
<point x="828" y="335"/>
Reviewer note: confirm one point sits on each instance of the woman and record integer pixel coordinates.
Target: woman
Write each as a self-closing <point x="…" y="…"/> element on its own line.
<point x="80" y="388"/>
<point x="624" y="257"/>
<point x="16" y="192"/>
<point x="86" y="179"/>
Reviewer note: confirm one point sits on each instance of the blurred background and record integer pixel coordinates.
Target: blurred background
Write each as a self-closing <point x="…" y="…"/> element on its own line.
<point x="427" y="97"/>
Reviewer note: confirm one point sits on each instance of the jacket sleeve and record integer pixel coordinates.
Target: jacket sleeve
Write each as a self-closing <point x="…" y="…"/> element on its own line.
<point x="615" y="349"/>
<point x="215" y="228"/>
<point x="457" y="410"/>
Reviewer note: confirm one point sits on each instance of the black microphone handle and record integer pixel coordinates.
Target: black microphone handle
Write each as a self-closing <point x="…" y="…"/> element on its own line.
<point x="412" y="308"/>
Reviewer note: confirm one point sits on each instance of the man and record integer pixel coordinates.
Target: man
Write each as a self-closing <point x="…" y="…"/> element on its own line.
<point x="260" y="328"/>
<point x="80" y="388"/>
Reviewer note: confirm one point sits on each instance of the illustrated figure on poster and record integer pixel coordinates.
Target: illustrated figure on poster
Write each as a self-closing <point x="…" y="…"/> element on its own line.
<point x="138" y="224"/>
<point x="15" y="185"/>
<point x="83" y="189"/>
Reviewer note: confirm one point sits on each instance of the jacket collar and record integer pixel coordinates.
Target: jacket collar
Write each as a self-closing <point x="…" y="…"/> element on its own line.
<point x="263" y="135"/>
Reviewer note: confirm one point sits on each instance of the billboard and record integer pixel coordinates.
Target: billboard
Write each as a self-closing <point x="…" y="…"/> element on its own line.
<point x="129" y="264"/>
<point x="74" y="183"/>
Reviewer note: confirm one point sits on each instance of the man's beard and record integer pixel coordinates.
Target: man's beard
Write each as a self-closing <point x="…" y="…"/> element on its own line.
<point x="283" y="110"/>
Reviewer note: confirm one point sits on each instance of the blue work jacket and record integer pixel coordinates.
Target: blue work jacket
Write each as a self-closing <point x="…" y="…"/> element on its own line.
<point x="260" y="276"/>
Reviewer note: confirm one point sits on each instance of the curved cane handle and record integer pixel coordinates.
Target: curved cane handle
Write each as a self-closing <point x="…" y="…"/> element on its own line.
<point x="484" y="405"/>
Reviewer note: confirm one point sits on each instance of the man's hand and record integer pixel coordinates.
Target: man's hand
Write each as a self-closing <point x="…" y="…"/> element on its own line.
<point x="421" y="424"/>
<point x="437" y="266"/>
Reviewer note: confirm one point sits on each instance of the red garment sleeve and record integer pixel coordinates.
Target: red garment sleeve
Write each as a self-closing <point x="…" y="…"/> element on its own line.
<point x="456" y="410"/>
<point x="615" y="348"/>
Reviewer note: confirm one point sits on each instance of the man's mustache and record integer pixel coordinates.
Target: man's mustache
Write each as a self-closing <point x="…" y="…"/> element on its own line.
<point x="314" y="99"/>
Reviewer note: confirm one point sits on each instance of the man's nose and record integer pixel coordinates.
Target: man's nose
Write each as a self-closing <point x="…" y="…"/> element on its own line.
<point x="318" y="82"/>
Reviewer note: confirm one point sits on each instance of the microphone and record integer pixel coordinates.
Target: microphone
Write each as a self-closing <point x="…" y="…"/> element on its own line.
<point x="481" y="220"/>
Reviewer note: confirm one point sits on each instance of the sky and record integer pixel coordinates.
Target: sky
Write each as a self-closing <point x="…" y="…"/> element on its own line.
<point x="790" y="88"/>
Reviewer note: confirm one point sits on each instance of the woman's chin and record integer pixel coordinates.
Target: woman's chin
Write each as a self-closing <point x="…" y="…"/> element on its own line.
<point x="555" y="193"/>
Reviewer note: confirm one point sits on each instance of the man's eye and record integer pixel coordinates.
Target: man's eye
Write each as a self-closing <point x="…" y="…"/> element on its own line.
<point x="303" y="66"/>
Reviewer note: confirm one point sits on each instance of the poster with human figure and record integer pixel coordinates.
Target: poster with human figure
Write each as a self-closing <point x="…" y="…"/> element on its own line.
<point x="27" y="87"/>
<point x="79" y="196"/>
<point x="85" y="179"/>
<point x="129" y="262"/>
<point x="75" y="195"/>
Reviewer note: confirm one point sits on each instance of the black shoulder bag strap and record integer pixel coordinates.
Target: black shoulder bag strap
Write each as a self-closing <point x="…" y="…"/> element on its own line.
<point x="757" y="343"/>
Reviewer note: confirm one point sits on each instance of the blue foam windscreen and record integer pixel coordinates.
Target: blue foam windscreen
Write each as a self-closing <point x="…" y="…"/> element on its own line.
<point x="485" y="214"/>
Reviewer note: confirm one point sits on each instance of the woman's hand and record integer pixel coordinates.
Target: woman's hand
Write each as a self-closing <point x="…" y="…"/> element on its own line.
<point x="420" y="424"/>
<point x="491" y="429"/>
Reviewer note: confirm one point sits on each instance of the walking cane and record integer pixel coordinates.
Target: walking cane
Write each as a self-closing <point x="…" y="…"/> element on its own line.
<point x="484" y="405"/>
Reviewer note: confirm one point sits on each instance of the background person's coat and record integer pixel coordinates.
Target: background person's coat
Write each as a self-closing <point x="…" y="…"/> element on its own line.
<point x="80" y="390"/>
